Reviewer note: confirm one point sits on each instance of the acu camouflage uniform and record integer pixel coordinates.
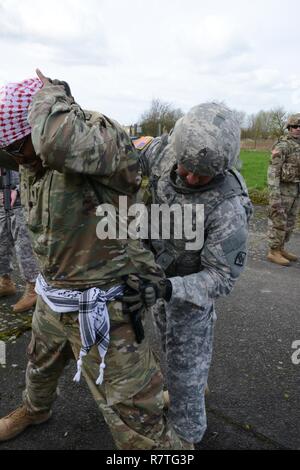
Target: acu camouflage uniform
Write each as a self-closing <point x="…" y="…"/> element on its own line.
<point x="88" y="159"/>
<point x="14" y="235"/>
<point x="198" y="277"/>
<point x="284" y="190"/>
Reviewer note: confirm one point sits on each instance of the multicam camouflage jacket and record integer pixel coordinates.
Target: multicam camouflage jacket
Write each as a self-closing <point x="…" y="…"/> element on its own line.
<point x="88" y="160"/>
<point x="200" y="276"/>
<point x="284" y="165"/>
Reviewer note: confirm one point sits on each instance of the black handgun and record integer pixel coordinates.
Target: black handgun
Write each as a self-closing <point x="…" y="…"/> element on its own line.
<point x="137" y="325"/>
<point x="135" y="314"/>
<point x="6" y="178"/>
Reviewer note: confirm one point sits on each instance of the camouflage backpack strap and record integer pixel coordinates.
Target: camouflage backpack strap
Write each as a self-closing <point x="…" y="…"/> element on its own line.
<point x="150" y="157"/>
<point x="240" y="187"/>
<point x="232" y="186"/>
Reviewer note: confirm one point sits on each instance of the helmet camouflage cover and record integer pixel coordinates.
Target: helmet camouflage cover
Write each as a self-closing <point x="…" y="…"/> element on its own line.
<point x="293" y="120"/>
<point x="207" y="139"/>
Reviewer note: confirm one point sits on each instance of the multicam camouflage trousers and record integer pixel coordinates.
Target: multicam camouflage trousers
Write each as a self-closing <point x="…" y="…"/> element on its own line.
<point x="130" y="398"/>
<point x="187" y="342"/>
<point x="14" y="235"/>
<point x="283" y="215"/>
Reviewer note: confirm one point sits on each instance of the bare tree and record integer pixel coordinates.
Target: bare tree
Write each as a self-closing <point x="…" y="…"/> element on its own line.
<point x="278" y="118"/>
<point x="265" y="124"/>
<point x="161" y="117"/>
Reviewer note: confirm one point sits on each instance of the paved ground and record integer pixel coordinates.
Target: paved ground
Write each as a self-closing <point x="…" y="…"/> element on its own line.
<point x="254" y="386"/>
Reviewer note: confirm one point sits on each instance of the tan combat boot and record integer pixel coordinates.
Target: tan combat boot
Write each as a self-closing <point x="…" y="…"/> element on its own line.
<point x="7" y="286"/>
<point x="275" y="256"/>
<point x="17" y="421"/>
<point x="28" y="300"/>
<point x="289" y="256"/>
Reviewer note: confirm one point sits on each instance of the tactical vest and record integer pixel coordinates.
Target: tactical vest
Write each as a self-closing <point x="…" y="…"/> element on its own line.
<point x="171" y="254"/>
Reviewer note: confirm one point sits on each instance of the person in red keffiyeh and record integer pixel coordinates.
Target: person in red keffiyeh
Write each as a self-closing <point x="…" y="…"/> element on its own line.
<point x="71" y="161"/>
<point x="15" y="99"/>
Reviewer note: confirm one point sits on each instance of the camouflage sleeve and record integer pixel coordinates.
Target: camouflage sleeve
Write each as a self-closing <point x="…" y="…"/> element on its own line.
<point x="274" y="172"/>
<point x="223" y="257"/>
<point x="64" y="139"/>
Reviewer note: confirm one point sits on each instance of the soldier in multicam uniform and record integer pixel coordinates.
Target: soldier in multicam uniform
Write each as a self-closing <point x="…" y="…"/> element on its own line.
<point x="72" y="161"/>
<point x="14" y="236"/>
<point x="284" y="189"/>
<point x="194" y="165"/>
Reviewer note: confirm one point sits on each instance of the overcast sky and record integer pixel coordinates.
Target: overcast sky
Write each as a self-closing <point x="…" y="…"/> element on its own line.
<point x="117" y="55"/>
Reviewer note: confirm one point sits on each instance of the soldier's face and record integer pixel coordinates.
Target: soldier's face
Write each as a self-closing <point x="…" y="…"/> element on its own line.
<point x="191" y="179"/>
<point x="295" y="131"/>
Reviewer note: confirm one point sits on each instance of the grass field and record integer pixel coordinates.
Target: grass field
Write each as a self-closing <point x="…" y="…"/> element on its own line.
<point x="254" y="168"/>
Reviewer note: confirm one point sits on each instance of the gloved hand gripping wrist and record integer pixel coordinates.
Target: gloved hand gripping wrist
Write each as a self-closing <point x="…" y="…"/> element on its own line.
<point x="140" y="292"/>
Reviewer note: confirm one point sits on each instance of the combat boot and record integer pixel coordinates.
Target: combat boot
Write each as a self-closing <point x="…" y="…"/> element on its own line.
<point x="288" y="256"/>
<point x="7" y="286"/>
<point x="17" y="421"/>
<point x="28" y="300"/>
<point x="275" y="256"/>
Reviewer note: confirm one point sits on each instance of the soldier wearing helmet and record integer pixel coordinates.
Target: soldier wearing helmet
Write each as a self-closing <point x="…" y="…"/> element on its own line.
<point x="284" y="190"/>
<point x="195" y="165"/>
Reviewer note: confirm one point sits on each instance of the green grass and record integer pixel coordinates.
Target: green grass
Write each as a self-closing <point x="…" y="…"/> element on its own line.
<point x="254" y="169"/>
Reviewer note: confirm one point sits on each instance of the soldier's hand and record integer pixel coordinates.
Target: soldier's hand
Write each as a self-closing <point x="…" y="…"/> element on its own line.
<point x="160" y="290"/>
<point x="48" y="81"/>
<point x="132" y="294"/>
<point x="138" y="293"/>
<point x="13" y="197"/>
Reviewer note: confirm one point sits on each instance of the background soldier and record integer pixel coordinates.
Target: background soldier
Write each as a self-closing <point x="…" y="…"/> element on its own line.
<point x="284" y="189"/>
<point x="14" y="236"/>
<point x="72" y="161"/>
<point x="195" y="166"/>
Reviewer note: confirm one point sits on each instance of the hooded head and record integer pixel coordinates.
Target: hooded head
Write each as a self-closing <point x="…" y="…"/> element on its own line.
<point x="15" y="99"/>
<point x="207" y="139"/>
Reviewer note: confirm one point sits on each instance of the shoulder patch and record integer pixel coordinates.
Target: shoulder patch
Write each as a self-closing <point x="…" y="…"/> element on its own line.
<point x="275" y="152"/>
<point x="142" y="142"/>
<point x="241" y="258"/>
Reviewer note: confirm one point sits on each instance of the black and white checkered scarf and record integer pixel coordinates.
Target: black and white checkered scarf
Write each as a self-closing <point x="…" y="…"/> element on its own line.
<point x="93" y="316"/>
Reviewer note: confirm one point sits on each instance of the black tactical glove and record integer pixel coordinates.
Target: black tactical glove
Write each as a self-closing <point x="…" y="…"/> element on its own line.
<point x="65" y="85"/>
<point x="140" y="292"/>
<point x="62" y="83"/>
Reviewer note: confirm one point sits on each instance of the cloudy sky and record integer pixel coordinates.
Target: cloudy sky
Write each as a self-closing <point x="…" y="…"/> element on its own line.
<point x="118" y="55"/>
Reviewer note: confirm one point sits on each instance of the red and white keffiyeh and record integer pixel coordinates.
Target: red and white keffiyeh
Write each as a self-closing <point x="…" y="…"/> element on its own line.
<point x="15" y="99"/>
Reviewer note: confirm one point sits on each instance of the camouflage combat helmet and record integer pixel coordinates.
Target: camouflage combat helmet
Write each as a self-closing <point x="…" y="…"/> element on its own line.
<point x="207" y="139"/>
<point x="293" y="120"/>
